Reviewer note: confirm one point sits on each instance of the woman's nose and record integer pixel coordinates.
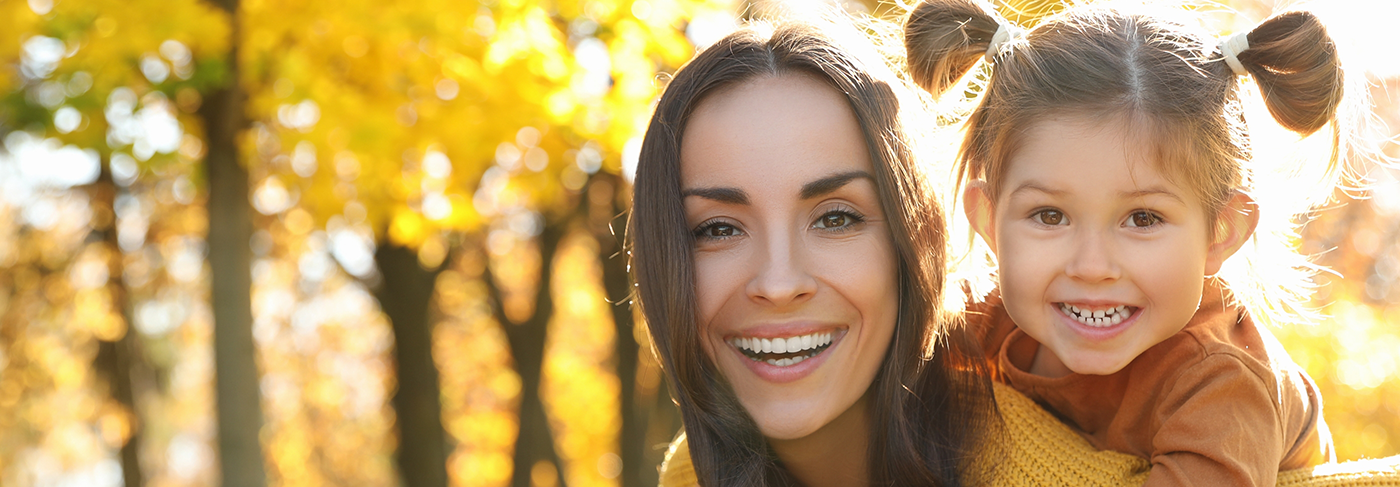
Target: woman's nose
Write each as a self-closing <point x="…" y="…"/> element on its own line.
<point x="1091" y="259"/>
<point x="781" y="277"/>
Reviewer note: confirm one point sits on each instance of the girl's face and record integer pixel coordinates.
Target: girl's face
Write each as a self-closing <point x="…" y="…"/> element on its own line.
<point x="794" y="267"/>
<point x="1100" y="255"/>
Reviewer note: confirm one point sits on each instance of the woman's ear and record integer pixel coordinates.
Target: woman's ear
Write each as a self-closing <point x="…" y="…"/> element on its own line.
<point x="980" y="212"/>
<point x="1233" y="226"/>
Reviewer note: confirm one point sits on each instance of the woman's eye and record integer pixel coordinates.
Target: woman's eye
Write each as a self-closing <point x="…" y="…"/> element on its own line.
<point x="837" y="220"/>
<point x="716" y="230"/>
<point x="1049" y="217"/>
<point x="1143" y="219"/>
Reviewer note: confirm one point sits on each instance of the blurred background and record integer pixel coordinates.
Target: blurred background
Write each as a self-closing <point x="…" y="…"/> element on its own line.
<point x="382" y="238"/>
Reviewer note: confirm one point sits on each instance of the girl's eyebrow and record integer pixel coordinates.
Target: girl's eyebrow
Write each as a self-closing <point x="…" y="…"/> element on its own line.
<point x="1154" y="190"/>
<point x="1032" y="186"/>
<point x="826" y="185"/>
<point x="1149" y="191"/>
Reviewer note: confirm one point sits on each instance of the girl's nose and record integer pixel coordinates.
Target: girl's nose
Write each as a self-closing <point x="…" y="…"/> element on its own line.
<point x="1091" y="259"/>
<point x="781" y="277"/>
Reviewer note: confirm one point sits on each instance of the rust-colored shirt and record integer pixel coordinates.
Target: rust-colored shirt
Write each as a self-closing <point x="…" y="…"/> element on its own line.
<point x="1219" y="403"/>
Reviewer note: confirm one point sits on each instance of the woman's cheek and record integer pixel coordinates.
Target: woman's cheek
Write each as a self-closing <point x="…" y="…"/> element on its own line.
<point x="716" y="281"/>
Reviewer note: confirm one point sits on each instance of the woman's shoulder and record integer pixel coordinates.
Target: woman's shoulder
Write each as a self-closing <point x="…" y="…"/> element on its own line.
<point x="676" y="469"/>
<point x="1040" y="450"/>
<point x="1037" y="449"/>
<point x="1034" y="448"/>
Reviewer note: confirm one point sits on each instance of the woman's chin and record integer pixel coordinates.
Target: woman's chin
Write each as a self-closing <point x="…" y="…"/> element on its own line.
<point x="790" y="428"/>
<point x="791" y="418"/>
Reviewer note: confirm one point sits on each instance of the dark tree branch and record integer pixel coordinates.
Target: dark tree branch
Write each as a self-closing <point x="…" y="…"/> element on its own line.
<point x="535" y="440"/>
<point x="239" y="407"/>
<point x="406" y="298"/>
<point x="118" y="362"/>
<point x="608" y="221"/>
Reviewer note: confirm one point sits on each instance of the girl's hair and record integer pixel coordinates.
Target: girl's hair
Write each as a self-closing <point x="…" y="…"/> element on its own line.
<point x="929" y="403"/>
<point x="1169" y="82"/>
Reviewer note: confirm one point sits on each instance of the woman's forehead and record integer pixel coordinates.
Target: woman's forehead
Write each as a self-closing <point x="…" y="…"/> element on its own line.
<point x="771" y="132"/>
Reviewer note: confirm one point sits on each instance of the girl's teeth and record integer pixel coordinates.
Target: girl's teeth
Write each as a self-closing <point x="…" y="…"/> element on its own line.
<point x="1099" y="318"/>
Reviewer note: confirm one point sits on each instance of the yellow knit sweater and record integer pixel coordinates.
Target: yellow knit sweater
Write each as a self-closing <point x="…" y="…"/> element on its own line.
<point x="1043" y="451"/>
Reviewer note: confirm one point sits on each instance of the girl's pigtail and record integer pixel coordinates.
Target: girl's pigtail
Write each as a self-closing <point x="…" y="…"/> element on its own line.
<point x="945" y="38"/>
<point x="1296" y="65"/>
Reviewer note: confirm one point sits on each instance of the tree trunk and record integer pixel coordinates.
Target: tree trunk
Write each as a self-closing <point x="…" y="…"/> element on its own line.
<point x="535" y="441"/>
<point x="607" y="221"/>
<point x="119" y="361"/>
<point x="405" y="296"/>
<point x="230" y="228"/>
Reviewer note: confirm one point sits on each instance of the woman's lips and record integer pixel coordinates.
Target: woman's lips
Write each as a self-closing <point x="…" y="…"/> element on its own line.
<point x="787" y="358"/>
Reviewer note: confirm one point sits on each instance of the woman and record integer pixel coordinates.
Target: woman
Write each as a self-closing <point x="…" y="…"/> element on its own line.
<point x="788" y="257"/>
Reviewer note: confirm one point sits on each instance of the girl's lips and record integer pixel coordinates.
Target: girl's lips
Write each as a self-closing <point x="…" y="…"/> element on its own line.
<point x="1099" y="332"/>
<point x="782" y="374"/>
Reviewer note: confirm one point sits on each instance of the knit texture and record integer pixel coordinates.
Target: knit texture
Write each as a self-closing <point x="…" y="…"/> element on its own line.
<point x="1042" y="451"/>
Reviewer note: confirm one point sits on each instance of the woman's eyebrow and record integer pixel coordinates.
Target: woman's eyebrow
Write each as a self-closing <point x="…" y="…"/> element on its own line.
<point x="724" y="195"/>
<point x="826" y="185"/>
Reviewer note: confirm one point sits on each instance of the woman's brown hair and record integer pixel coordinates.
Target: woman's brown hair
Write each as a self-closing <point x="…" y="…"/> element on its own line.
<point x="927" y="407"/>
<point x="1165" y="79"/>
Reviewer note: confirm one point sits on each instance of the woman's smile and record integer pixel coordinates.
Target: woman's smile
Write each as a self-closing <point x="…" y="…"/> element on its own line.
<point x="778" y="356"/>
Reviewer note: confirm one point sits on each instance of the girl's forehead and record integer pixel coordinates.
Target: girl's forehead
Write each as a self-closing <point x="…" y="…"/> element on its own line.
<point x="1076" y="153"/>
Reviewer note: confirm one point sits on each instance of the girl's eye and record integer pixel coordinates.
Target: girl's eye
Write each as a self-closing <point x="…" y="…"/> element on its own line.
<point x="1143" y="219"/>
<point x="837" y="220"/>
<point x="1049" y="217"/>
<point x="716" y="230"/>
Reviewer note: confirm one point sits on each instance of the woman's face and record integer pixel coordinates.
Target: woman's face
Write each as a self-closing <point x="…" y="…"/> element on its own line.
<point x="794" y="267"/>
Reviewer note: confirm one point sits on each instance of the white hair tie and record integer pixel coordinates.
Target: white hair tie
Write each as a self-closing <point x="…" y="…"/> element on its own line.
<point x="1231" y="47"/>
<point x="1004" y="33"/>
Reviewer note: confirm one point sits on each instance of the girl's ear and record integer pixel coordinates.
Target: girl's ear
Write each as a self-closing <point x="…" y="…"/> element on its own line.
<point x="980" y="212"/>
<point x="1234" y="225"/>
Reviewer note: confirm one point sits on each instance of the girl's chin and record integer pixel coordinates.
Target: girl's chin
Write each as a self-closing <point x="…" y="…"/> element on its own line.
<point x="1099" y="366"/>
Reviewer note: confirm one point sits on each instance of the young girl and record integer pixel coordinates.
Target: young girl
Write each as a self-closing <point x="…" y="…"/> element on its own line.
<point x="1106" y="168"/>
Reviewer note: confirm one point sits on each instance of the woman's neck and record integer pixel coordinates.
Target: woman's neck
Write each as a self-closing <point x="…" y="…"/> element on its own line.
<point x="835" y="455"/>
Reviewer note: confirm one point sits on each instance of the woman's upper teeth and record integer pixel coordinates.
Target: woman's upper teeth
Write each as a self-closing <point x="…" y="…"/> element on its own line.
<point x="782" y="345"/>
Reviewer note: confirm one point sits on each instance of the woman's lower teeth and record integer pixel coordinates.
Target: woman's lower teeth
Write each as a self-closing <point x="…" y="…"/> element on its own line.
<point x="787" y="361"/>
